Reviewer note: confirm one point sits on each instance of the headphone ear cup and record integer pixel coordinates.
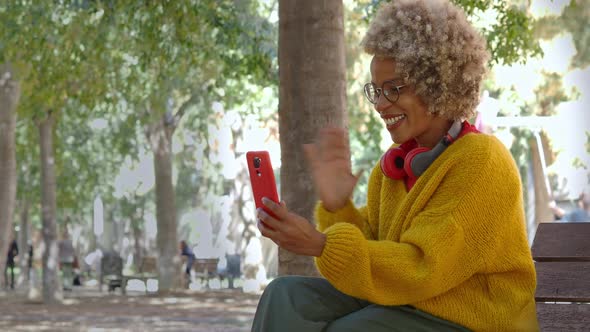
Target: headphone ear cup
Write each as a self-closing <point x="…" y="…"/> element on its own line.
<point x="410" y="158"/>
<point x="392" y="163"/>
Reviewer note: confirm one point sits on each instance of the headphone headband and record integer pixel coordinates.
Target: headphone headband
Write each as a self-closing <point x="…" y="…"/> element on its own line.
<point x="417" y="159"/>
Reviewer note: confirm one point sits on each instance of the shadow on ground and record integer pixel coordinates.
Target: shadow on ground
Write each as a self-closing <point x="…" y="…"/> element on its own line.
<point x="85" y="309"/>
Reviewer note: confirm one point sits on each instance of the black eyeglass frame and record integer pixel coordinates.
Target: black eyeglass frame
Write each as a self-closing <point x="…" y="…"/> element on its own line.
<point x="379" y="91"/>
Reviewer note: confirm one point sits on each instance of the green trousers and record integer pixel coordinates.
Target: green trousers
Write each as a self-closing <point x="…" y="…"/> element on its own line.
<point x="308" y="304"/>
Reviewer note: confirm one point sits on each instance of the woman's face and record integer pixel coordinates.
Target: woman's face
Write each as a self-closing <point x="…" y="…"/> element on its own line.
<point x="408" y="117"/>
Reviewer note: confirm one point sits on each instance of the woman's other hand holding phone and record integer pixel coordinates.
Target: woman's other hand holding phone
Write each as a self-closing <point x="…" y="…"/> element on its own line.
<point x="329" y="159"/>
<point x="290" y="231"/>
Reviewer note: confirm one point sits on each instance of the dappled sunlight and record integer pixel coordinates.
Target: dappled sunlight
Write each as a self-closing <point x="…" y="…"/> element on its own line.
<point x="215" y="284"/>
<point x="168" y="300"/>
<point x="136" y="285"/>
<point x="152" y="285"/>
<point x="570" y="145"/>
<point x="577" y="80"/>
<point x="71" y="301"/>
<point x="134" y="176"/>
<point x="87" y="309"/>
<point x="98" y="217"/>
<point x="540" y="8"/>
<point x="522" y="88"/>
<point x="557" y="53"/>
<point x="522" y="78"/>
<point x="144" y="87"/>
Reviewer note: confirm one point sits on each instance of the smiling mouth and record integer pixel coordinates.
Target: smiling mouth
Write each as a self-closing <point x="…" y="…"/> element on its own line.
<point x="392" y="121"/>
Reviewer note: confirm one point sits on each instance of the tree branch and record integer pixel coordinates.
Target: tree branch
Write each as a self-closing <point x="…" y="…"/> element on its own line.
<point x="182" y="109"/>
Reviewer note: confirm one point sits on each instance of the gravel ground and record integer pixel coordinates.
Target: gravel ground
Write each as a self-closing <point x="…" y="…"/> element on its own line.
<point x="85" y="309"/>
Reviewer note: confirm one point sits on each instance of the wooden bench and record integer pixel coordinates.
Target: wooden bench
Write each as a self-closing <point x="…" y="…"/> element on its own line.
<point x="147" y="269"/>
<point x="205" y="268"/>
<point x="562" y="259"/>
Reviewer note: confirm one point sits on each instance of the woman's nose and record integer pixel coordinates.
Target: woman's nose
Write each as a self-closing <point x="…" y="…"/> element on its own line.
<point x="382" y="103"/>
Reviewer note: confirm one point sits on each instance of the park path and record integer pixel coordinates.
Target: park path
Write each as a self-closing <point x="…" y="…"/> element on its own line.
<point x="85" y="309"/>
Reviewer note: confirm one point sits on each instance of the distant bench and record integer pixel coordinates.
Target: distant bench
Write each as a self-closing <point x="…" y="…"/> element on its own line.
<point x="111" y="272"/>
<point x="206" y="268"/>
<point x="148" y="269"/>
<point x="562" y="259"/>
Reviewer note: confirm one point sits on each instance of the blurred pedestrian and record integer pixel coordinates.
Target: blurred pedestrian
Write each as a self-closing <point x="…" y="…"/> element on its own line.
<point x="12" y="253"/>
<point x="66" y="260"/>
<point x="185" y="250"/>
<point x="580" y="214"/>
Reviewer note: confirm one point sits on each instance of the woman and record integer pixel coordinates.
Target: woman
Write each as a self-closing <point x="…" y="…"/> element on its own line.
<point x="441" y="244"/>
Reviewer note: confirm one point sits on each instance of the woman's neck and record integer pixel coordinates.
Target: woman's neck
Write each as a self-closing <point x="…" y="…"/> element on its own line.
<point x="437" y="131"/>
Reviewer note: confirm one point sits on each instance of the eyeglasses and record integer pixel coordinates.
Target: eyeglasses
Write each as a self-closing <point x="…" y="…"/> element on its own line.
<point x="389" y="90"/>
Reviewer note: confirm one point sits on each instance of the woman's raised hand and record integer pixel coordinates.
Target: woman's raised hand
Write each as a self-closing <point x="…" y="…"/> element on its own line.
<point x="329" y="159"/>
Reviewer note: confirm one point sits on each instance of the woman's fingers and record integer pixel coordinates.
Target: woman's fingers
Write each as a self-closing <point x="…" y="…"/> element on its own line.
<point x="279" y="210"/>
<point x="291" y="232"/>
<point x="275" y="220"/>
<point x="264" y="229"/>
<point x="268" y="220"/>
<point x="333" y="139"/>
<point x="271" y="227"/>
<point x="332" y="146"/>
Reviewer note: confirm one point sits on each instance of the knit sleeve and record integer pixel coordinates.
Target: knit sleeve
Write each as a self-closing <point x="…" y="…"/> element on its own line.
<point x="348" y="214"/>
<point x="430" y="259"/>
<point x="473" y="216"/>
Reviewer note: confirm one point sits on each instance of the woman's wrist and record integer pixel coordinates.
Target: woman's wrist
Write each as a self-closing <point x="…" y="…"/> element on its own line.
<point x="320" y="243"/>
<point x="333" y="207"/>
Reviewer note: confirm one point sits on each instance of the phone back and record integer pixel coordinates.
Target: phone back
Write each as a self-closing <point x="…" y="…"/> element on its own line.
<point x="262" y="177"/>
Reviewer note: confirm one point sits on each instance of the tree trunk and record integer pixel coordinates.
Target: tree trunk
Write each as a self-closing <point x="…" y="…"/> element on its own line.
<point x="160" y="137"/>
<point x="52" y="292"/>
<point x="542" y="192"/>
<point x="138" y="234"/>
<point x="312" y="95"/>
<point x="23" y="242"/>
<point x="9" y="95"/>
<point x="108" y="236"/>
<point x="137" y="243"/>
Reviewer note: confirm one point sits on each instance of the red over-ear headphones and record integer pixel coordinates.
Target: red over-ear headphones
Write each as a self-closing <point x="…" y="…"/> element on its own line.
<point x="408" y="161"/>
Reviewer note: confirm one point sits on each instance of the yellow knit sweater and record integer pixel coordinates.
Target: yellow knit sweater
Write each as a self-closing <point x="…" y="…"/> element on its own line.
<point x="454" y="246"/>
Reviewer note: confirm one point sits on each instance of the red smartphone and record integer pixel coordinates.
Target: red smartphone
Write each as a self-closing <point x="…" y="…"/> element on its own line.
<point x="262" y="178"/>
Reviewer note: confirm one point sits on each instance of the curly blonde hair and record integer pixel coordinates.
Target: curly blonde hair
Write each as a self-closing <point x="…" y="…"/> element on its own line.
<point x="436" y="48"/>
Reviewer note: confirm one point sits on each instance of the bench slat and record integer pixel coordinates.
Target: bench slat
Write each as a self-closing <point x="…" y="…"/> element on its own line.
<point x="202" y="265"/>
<point x="563" y="281"/>
<point x="563" y="317"/>
<point x="559" y="241"/>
